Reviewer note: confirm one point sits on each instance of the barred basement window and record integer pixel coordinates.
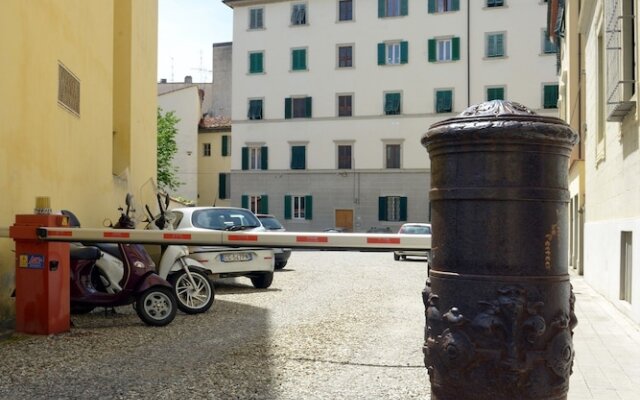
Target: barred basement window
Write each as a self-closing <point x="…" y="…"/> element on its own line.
<point x="68" y="90"/>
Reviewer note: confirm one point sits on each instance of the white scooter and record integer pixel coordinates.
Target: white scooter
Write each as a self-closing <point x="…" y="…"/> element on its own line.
<point x="194" y="291"/>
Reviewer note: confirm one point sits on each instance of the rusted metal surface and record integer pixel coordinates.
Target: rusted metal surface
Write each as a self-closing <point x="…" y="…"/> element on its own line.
<point x="498" y="303"/>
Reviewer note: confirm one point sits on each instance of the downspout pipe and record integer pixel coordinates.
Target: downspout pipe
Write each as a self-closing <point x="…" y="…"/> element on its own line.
<point x="468" y="53"/>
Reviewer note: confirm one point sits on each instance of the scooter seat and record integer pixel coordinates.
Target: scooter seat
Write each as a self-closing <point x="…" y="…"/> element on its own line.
<point x="85" y="253"/>
<point x="110" y="248"/>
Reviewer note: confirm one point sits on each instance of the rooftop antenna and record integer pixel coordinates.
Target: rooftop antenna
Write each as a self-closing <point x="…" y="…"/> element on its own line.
<point x="204" y="73"/>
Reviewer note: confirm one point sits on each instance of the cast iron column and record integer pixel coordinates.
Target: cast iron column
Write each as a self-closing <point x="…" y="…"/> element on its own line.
<point x="499" y="304"/>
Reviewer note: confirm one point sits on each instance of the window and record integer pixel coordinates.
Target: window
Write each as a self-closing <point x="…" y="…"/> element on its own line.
<point x="393" y="53"/>
<point x="444" y="101"/>
<point x="392" y="8"/>
<point x="255" y="109"/>
<point x="444" y="49"/>
<point x="550" y="96"/>
<point x="495" y="3"/>
<point x="298" y="157"/>
<point x="206" y="149"/>
<point x="298" y="207"/>
<point x="392" y="208"/>
<point x="441" y="6"/>
<point x="225" y="148"/>
<point x="495" y="93"/>
<point x="257" y="204"/>
<point x="256" y="62"/>
<point x="254" y="158"/>
<point x="392" y="103"/>
<point x="299" y="14"/>
<point x="256" y="19"/>
<point x="548" y="47"/>
<point x="344" y="105"/>
<point x="223" y="186"/>
<point x="299" y="59"/>
<point x="345" y="56"/>
<point x="345" y="10"/>
<point x="297" y="107"/>
<point x="392" y="156"/>
<point x="495" y="45"/>
<point x="344" y="156"/>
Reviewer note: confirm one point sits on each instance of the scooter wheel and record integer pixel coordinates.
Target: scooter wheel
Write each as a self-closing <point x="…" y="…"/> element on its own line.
<point x="156" y="306"/>
<point x="192" y="299"/>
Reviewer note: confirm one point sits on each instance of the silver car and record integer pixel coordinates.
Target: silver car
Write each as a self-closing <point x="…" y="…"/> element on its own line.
<point x="413" y="229"/>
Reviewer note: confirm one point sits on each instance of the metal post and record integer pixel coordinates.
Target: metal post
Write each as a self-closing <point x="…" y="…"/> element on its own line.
<point x="499" y="304"/>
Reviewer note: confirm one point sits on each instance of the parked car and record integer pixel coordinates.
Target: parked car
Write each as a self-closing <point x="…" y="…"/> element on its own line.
<point x="335" y="229"/>
<point x="272" y="224"/>
<point x="254" y="263"/>
<point x="413" y="229"/>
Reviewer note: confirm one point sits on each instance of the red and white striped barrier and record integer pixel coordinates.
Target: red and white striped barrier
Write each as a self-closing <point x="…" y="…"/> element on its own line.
<point x="296" y="240"/>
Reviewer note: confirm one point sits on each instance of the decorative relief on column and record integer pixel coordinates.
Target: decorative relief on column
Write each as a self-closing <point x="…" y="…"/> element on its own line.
<point x="508" y="346"/>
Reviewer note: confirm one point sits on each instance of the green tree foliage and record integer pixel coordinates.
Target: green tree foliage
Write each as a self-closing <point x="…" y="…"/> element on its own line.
<point x="167" y="149"/>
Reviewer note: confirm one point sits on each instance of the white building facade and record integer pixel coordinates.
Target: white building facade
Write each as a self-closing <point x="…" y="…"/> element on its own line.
<point x="331" y="97"/>
<point x="610" y="37"/>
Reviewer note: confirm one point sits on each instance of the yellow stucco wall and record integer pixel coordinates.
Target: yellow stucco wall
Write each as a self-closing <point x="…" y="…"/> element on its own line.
<point x="111" y="47"/>
<point x="210" y="167"/>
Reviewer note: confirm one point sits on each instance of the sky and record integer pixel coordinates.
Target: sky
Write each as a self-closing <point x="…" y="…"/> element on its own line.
<point x="186" y="31"/>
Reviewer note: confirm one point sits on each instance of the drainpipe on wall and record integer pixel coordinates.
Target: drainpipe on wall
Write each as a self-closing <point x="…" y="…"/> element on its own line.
<point x="468" y="54"/>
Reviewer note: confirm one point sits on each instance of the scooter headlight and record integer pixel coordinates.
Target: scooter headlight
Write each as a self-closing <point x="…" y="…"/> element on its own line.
<point x="139" y="264"/>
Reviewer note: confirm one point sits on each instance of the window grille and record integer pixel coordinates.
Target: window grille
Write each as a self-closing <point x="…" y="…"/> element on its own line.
<point x="620" y="60"/>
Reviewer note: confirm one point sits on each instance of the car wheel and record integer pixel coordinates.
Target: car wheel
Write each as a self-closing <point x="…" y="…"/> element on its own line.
<point x="262" y="281"/>
<point x="156" y="306"/>
<point x="396" y="257"/>
<point x="280" y="265"/>
<point x="404" y="258"/>
<point x="192" y="299"/>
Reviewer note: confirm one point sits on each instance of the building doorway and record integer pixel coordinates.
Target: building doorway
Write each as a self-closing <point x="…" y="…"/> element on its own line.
<point x="344" y="220"/>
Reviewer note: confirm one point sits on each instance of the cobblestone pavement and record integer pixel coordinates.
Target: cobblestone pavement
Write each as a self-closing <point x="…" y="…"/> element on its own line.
<point x="334" y="325"/>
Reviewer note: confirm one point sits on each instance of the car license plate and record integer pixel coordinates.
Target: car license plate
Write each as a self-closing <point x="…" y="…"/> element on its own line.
<point x="235" y="257"/>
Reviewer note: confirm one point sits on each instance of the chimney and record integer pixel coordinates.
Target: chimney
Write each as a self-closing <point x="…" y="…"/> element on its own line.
<point x="188" y="79"/>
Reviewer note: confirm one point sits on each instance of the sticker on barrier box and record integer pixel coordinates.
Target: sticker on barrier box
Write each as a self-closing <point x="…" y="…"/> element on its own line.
<point x="31" y="261"/>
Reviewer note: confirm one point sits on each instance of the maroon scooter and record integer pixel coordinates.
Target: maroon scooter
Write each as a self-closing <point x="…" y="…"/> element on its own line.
<point x="110" y="275"/>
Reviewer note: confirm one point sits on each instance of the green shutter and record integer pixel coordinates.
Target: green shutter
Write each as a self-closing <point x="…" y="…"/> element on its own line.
<point x="455" y="5"/>
<point x="495" y="94"/>
<point x="225" y="145"/>
<point x="381" y="13"/>
<point x="287" y="108"/>
<point x="403" y="208"/>
<point x="308" y="207"/>
<point x="287" y="207"/>
<point x="432" y="50"/>
<point x="404" y="7"/>
<point x="432" y="6"/>
<point x="244" y="201"/>
<point x="255" y="63"/>
<point x="298" y="157"/>
<point x="551" y="96"/>
<point x="404" y="52"/>
<point x="455" y="48"/>
<point x="222" y="186"/>
<point x="307" y="110"/>
<point x="381" y="54"/>
<point x="264" y="204"/>
<point x="299" y="59"/>
<point x="382" y="208"/>
<point x="245" y="158"/>
<point x="264" y="157"/>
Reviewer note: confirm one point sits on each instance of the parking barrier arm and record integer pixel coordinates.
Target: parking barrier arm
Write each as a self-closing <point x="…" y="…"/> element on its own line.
<point x="296" y="240"/>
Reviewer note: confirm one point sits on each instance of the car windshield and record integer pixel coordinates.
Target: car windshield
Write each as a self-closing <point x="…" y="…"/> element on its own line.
<point x="417" y="230"/>
<point x="270" y="223"/>
<point x="224" y="219"/>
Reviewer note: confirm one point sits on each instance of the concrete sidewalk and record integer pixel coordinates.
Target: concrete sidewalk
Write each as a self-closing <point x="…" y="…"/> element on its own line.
<point x="607" y="346"/>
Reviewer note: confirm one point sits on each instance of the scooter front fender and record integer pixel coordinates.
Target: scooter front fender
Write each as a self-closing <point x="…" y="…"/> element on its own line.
<point x="152" y="279"/>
